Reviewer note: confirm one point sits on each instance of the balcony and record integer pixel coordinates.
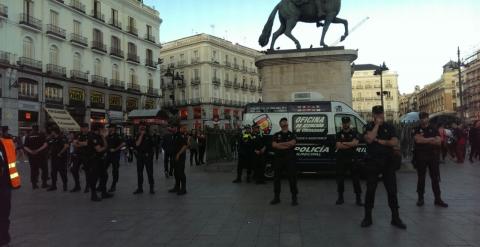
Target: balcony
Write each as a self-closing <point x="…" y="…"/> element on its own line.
<point x="3" y="11"/>
<point x="228" y="64"/>
<point x="78" y="76"/>
<point x="55" y="70"/>
<point x="195" y="101"/>
<point x="99" y="47"/>
<point x="195" y="60"/>
<point x="216" y="101"/>
<point x="149" y="37"/>
<point x="99" y="81"/>
<point x="133" y="86"/>
<point x="116" y="52"/>
<point x="56" y="31"/>
<point x="170" y="86"/>
<point x="115" y="23"/>
<point x="98" y="15"/>
<point x="28" y="96"/>
<point x="253" y="88"/>
<point x="54" y="100"/>
<point x="182" y="63"/>
<point x="260" y="90"/>
<point x="117" y="84"/>
<point x="244" y="69"/>
<point x="132" y="30"/>
<point x="30" y="63"/>
<point x="181" y="102"/>
<point x="153" y="91"/>
<point x="132" y="57"/>
<point x="228" y="84"/>
<point x="77" y="5"/>
<point x="5" y="57"/>
<point x="149" y="63"/>
<point x="30" y="22"/>
<point x="244" y="87"/>
<point x="236" y="66"/>
<point x="236" y="85"/>
<point x="216" y="81"/>
<point x="78" y="40"/>
<point x="196" y="81"/>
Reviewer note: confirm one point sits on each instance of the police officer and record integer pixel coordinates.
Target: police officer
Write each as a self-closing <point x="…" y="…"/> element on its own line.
<point x="58" y="145"/>
<point x="347" y="141"/>
<point x="96" y="148"/>
<point x="115" y="144"/>
<point x="258" y="142"/>
<point x="381" y="138"/>
<point x="144" y="145"/>
<point x="80" y="157"/>
<point x="283" y="143"/>
<point x="427" y="148"/>
<point x="168" y="146"/>
<point x="245" y="155"/>
<point x="181" y="145"/>
<point x="36" y="148"/>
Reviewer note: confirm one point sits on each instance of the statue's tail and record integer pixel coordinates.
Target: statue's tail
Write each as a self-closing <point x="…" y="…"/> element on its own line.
<point x="267" y="30"/>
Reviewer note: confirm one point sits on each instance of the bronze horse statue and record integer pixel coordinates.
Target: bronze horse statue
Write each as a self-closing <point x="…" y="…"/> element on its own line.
<point x="309" y="11"/>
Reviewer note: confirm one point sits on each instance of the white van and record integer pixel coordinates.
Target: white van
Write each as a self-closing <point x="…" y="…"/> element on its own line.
<point x="315" y="124"/>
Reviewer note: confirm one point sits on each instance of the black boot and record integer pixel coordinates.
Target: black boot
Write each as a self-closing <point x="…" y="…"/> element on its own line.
<point x="237" y="180"/>
<point x="173" y="190"/>
<point x="106" y="195"/>
<point x="440" y="203"/>
<point x="367" y="220"/>
<point x="358" y="200"/>
<point x="52" y="188"/>
<point x="113" y="188"/>
<point x="138" y="191"/>
<point x="340" y="199"/>
<point x="420" y="201"/>
<point x="396" y="221"/>
<point x="294" y="200"/>
<point x="95" y="197"/>
<point x="275" y="200"/>
<point x="152" y="191"/>
<point x="77" y="188"/>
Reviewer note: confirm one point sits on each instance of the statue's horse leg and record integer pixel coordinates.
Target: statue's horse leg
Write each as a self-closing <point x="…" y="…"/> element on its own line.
<point x="345" y="24"/>
<point x="291" y="23"/>
<point x="328" y="21"/>
<point x="279" y="32"/>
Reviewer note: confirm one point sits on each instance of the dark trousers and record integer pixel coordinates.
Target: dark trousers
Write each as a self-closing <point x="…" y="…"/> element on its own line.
<point x="374" y="168"/>
<point x="59" y="166"/>
<point x="5" y="205"/>
<point x="158" y="151"/>
<point x="37" y="164"/>
<point x="244" y="162"/>
<point x="194" y="155"/>
<point x="114" y="160"/>
<point x="168" y="162"/>
<point x="180" y="177"/>
<point x="92" y="170"/>
<point x="287" y="165"/>
<point x="344" y="165"/>
<point x="474" y="151"/>
<point x="103" y="175"/>
<point x="145" y="161"/>
<point x="78" y="162"/>
<point x="201" y="154"/>
<point x="434" y="170"/>
<point x="259" y="167"/>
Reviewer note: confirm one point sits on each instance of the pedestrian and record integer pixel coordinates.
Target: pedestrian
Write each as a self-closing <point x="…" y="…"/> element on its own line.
<point x="115" y="144"/>
<point x="181" y="145"/>
<point x="157" y="144"/>
<point x="144" y="147"/>
<point x="202" y="146"/>
<point x="451" y="141"/>
<point x="346" y="144"/>
<point x="474" y="139"/>
<point x="168" y="146"/>
<point x="193" y="147"/>
<point x="283" y="143"/>
<point x="36" y="148"/>
<point x="96" y="148"/>
<point x="245" y="155"/>
<point x="461" y="137"/>
<point x="443" y="138"/>
<point x="259" y="147"/>
<point x="427" y="148"/>
<point x="81" y="158"/>
<point x="381" y="138"/>
<point x="58" y="145"/>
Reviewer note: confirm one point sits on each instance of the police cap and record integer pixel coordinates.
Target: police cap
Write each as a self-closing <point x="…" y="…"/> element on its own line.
<point x="423" y="115"/>
<point x="345" y="120"/>
<point x="378" y="109"/>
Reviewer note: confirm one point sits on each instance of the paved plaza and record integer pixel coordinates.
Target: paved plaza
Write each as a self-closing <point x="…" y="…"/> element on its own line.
<point x="216" y="212"/>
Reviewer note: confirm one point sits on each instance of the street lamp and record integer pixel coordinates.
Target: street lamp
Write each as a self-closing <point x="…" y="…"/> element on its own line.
<point x="175" y="78"/>
<point x="379" y="72"/>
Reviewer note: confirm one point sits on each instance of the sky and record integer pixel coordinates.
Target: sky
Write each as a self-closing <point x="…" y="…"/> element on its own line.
<point x="415" y="38"/>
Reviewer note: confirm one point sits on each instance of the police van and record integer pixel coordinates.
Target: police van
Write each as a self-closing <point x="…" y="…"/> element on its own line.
<point x="315" y="124"/>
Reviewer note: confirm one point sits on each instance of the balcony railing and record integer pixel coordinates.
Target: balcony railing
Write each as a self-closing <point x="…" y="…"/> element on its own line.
<point x="236" y="85"/>
<point x="77" y="5"/>
<point x="3" y="11"/>
<point x="216" y="101"/>
<point x="150" y="63"/>
<point x="78" y="75"/>
<point x="260" y="89"/>
<point x="115" y="83"/>
<point x="132" y="30"/>
<point x="195" y="81"/>
<point x="115" y="23"/>
<point x="216" y="81"/>
<point x="149" y="37"/>
<point x="56" y="30"/>
<point x="228" y="83"/>
<point x="170" y="86"/>
<point x="253" y="88"/>
<point x="98" y="15"/>
<point x="30" y="21"/>
<point x="244" y="87"/>
<point x="133" y="57"/>
<point x="79" y="39"/>
<point x="5" y="57"/>
<point x="99" y="46"/>
<point x="30" y="63"/>
<point x="244" y="69"/>
<point x="228" y="64"/>
<point x="153" y="91"/>
<point x="195" y="101"/>
<point x="181" y="102"/>
<point x="182" y="62"/>
<point x="115" y="51"/>
<point x="30" y="96"/>
<point x="54" y="69"/>
<point x="195" y="60"/>
<point x="55" y="101"/>
<point x="133" y="86"/>
<point x="99" y="80"/>
<point x="236" y="66"/>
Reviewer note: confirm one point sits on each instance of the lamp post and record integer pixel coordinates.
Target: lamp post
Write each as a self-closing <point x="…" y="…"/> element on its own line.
<point x="175" y="78"/>
<point x="379" y="72"/>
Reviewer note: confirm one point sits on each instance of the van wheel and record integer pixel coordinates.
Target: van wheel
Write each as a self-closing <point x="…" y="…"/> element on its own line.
<point x="269" y="173"/>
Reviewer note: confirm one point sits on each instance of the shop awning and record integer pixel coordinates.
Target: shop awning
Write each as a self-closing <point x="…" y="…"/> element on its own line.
<point x="63" y="119"/>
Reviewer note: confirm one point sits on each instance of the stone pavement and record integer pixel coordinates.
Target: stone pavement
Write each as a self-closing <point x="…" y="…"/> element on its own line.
<point x="216" y="212"/>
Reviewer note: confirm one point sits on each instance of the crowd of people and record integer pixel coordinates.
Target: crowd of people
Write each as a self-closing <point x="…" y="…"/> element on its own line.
<point x="456" y="138"/>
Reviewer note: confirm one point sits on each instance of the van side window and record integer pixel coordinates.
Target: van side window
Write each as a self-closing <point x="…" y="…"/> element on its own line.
<point x="338" y="122"/>
<point x="360" y="126"/>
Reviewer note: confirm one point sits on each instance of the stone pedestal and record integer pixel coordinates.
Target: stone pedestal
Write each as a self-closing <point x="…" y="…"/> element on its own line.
<point x="325" y="71"/>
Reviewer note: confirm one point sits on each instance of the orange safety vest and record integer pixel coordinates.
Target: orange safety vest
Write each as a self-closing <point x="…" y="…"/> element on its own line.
<point x="11" y="160"/>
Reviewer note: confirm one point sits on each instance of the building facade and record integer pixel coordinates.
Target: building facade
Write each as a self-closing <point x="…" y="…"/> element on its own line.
<point x="471" y="89"/>
<point x="366" y="90"/>
<point x="209" y="80"/>
<point x="96" y="59"/>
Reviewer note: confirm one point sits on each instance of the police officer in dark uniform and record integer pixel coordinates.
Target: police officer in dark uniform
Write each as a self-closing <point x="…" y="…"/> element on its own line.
<point x="58" y="145"/>
<point x="245" y="155"/>
<point x="115" y="144"/>
<point x="381" y="138"/>
<point x="96" y="147"/>
<point x="144" y="145"/>
<point x="81" y="158"/>
<point x="258" y="155"/>
<point x="347" y="141"/>
<point x="36" y="148"/>
<point x="283" y="143"/>
<point x="427" y="148"/>
<point x="181" y="145"/>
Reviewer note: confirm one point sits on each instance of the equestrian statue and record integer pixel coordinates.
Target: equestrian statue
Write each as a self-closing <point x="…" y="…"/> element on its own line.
<point x="309" y="11"/>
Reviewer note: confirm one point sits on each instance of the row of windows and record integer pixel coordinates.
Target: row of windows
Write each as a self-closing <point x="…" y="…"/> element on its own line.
<point x="195" y="57"/>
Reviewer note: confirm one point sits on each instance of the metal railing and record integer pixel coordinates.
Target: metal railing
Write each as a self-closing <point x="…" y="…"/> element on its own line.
<point x="228" y="64"/>
<point x="99" y="80"/>
<point x="153" y="91"/>
<point x="228" y="83"/>
<point x="115" y="83"/>
<point x="115" y="51"/>
<point x="30" y="21"/>
<point x="133" y="86"/>
<point x="150" y="63"/>
<point x="27" y="96"/>
<point x="149" y="37"/>
<point x="182" y="84"/>
<point x="56" y="30"/>
<point x="5" y="57"/>
<point x="98" y="15"/>
<point x="216" y="81"/>
<point x="78" y="75"/>
<point x="77" y="38"/>
<point x="132" y="30"/>
<point x="236" y="85"/>
<point x="253" y="88"/>
<point x="115" y="23"/>
<point x="56" y="70"/>
<point x="31" y="63"/>
<point x="99" y="46"/>
<point x="236" y="66"/>
<point x="76" y="4"/>
<point x="133" y="57"/>
<point x="3" y="11"/>
<point x="196" y="81"/>
<point x="182" y="62"/>
<point x="195" y="60"/>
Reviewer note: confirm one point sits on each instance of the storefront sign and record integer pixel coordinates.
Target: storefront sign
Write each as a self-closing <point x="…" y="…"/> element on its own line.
<point x="132" y="104"/>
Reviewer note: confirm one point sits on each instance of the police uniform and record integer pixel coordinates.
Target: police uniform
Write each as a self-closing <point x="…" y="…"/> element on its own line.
<point x="245" y="157"/>
<point x="428" y="156"/>
<point x="58" y="161"/>
<point x="145" y="160"/>
<point x="285" y="161"/>
<point x="5" y="198"/>
<point x="180" y="141"/>
<point x="114" y="141"/>
<point x="94" y="164"/>
<point x="39" y="161"/>
<point x="346" y="160"/>
<point x="258" y="142"/>
<point x="80" y="159"/>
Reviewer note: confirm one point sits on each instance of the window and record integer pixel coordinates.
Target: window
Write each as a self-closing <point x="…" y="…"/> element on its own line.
<point x="97" y="67"/>
<point x="53" y="93"/>
<point x="115" y="43"/>
<point x="132" y="48"/>
<point x="131" y="21"/>
<point x="150" y="81"/>
<point x="195" y="54"/>
<point x="196" y="92"/>
<point x="77" y="28"/>
<point x="214" y="55"/>
<point x="149" y="31"/>
<point x="114" y="16"/>
<point x="196" y="73"/>
<point x="149" y="55"/>
<point x="53" y="18"/>
<point x="53" y="55"/>
<point x="355" y="123"/>
<point x="28" y="49"/>
<point x="96" y="8"/>
<point x="133" y="76"/>
<point x="235" y="61"/>
<point x="28" y="7"/>
<point x="97" y="36"/>
<point x="216" y="92"/>
<point x="28" y="88"/>
<point x="115" y="72"/>
<point x="77" y="61"/>
<point x="182" y="57"/>
<point x="215" y="73"/>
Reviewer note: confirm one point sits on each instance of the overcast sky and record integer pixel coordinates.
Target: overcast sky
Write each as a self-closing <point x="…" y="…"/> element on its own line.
<point x="414" y="37"/>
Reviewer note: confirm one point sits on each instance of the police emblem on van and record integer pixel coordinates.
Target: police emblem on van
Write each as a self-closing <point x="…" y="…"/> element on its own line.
<point x="264" y="122"/>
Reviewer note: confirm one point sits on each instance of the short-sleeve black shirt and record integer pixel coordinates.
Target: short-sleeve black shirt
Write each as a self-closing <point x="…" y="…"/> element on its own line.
<point x="56" y="145"/>
<point x="146" y="146"/>
<point x="347" y="136"/>
<point x="180" y="141"/>
<point x="82" y="150"/>
<point x="35" y="141"/>
<point x="114" y="140"/>
<point x="385" y="132"/>
<point x="280" y="137"/>
<point x="427" y="132"/>
<point x="258" y="142"/>
<point x="94" y="140"/>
